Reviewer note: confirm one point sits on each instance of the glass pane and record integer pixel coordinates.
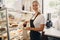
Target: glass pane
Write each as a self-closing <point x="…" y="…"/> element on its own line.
<point x="3" y="26"/>
<point x="52" y="7"/>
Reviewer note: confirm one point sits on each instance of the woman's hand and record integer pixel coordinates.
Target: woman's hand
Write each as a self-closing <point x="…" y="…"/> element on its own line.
<point x="25" y="22"/>
<point x="28" y="28"/>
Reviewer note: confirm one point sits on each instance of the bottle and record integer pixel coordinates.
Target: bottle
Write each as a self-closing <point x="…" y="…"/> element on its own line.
<point x="0" y="5"/>
<point x="23" y="7"/>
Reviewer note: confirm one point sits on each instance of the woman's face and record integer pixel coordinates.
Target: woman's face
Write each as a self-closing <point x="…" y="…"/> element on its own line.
<point x="35" y="6"/>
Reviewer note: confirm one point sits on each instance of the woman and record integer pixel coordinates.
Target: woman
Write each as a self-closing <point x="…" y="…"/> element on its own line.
<point x="36" y="23"/>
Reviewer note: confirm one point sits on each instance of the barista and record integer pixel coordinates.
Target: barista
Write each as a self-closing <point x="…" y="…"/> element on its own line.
<point x="37" y="23"/>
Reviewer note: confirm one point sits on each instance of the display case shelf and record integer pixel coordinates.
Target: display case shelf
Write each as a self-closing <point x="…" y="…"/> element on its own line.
<point x="13" y="32"/>
<point x="3" y="21"/>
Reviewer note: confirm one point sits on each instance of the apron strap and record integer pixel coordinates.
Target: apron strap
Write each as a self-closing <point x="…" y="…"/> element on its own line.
<point x="36" y="15"/>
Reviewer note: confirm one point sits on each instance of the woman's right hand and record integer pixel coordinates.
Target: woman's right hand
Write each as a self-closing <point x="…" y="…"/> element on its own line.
<point x="25" y="22"/>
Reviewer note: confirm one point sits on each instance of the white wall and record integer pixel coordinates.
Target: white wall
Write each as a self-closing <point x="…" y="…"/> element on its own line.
<point x="15" y="4"/>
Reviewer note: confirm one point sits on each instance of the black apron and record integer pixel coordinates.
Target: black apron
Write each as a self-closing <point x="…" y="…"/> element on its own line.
<point x="34" y="35"/>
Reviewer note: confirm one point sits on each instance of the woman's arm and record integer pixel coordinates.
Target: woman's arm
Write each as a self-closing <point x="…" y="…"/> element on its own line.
<point x="37" y="29"/>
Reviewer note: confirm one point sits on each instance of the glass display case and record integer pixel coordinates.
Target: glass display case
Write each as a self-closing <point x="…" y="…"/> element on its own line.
<point x="11" y="24"/>
<point x="3" y="23"/>
<point x="10" y="28"/>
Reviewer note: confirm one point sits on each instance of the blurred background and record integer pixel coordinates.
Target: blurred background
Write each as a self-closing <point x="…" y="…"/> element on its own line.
<point x="20" y="10"/>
